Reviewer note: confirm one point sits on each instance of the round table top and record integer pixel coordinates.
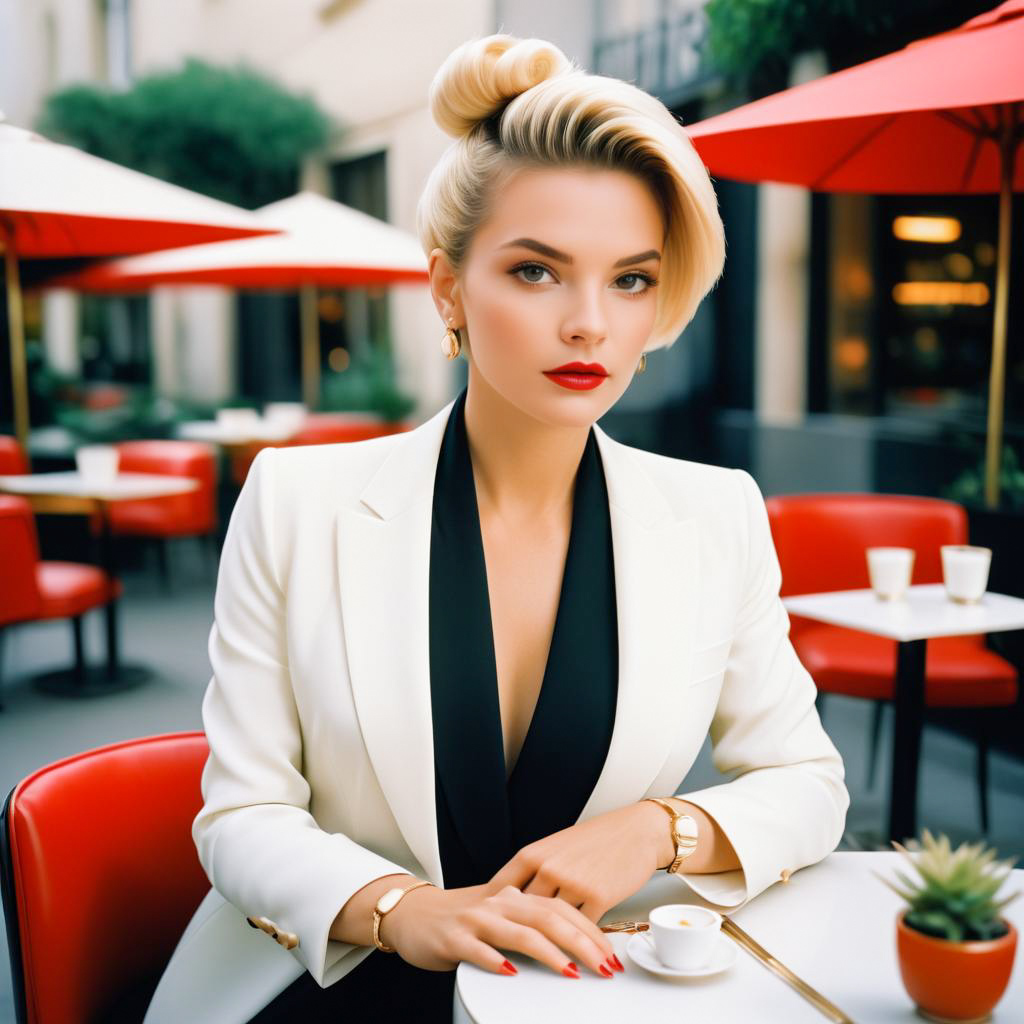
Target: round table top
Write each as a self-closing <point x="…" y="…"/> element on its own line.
<point x="833" y="923"/>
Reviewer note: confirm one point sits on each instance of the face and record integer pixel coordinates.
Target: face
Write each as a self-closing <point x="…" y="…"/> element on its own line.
<point x="564" y="270"/>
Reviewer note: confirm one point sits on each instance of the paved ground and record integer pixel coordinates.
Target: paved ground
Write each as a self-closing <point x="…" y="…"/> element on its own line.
<point x="169" y="634"/>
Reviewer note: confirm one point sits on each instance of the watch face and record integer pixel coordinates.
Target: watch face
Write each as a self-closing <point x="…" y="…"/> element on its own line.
<point x="388" y="900"/>
<point x="685" y="828"/>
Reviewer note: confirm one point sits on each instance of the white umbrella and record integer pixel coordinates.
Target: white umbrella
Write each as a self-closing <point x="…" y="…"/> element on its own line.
<point x="324" y="243"/>
<point x="56" y="201"/>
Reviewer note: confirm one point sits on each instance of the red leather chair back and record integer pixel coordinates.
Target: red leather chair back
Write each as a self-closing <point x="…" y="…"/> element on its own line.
<point x="323" y="428"/>
<point x="19" y="555"/>
<point x="12" y="458"/>
<point x="821" y="539"/>
<point x="180" y="514"/>
<point x="101" y="874"/>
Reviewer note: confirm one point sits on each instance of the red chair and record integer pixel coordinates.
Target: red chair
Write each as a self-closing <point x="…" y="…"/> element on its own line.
<point x="33" y="590"/>
<point x="12" y="458"/>
<point x="180" y="515"/>
<point x="821" y="541"/>
<point x="100" y="877"/>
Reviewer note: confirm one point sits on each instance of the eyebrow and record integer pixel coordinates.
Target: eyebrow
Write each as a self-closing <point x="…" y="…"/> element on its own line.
<point x="562" y="257"/>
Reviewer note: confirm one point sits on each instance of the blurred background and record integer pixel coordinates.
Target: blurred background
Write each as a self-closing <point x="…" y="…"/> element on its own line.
<point x="846" y="347"/>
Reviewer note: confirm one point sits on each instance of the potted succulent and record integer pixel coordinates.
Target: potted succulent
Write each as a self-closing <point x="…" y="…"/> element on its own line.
<point x="955" y="949"/>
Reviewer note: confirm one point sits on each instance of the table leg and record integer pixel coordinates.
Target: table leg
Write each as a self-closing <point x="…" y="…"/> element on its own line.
<point x="908" y="705"/>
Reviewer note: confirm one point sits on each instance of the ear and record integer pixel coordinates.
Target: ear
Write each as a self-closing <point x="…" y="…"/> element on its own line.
<point x="444" y="287"/>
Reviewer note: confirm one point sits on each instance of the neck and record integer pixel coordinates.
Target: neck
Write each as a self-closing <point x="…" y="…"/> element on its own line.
<point x="523" y="468"/>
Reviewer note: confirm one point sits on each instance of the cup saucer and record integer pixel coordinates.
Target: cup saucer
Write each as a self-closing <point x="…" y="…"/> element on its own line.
<point x="640" y="950"/>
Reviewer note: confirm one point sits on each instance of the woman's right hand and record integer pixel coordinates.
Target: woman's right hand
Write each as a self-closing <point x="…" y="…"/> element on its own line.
<point x="438" y="928"/>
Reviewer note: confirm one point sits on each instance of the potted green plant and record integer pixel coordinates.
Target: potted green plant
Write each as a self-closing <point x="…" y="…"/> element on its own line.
<point x="955" y="949"/>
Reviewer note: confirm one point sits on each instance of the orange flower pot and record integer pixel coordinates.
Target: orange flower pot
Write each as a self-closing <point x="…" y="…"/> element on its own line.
<point x="957" y="982"/>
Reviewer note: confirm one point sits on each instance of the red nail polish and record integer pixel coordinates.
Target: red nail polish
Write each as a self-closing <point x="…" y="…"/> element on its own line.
<point x="573" y="966"/>
<point x="571" y="972"/>
<point x="617" y="963"/>
<point x="605" y="971"/>
<point x="507" y="968"/>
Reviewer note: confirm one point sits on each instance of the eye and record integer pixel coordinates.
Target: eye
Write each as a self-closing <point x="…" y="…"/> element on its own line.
<point x="532" y="273"/>
<point x="635" y="283"/>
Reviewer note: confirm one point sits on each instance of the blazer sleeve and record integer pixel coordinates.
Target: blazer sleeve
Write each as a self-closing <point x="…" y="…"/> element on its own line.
<point x="257" y="841"/>
<point x="786" y="807"/>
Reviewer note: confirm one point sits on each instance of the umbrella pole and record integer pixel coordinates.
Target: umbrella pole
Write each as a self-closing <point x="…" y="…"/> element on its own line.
<point x="997" y="374"/>
<point x="16" y="333"/>
<point x="310" y="324"/>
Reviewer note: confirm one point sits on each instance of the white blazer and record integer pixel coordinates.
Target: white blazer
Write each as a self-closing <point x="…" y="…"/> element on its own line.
<point x="321" y="769"/>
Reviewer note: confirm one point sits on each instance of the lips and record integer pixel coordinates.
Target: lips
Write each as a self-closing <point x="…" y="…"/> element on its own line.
<point x="578" y="376"/>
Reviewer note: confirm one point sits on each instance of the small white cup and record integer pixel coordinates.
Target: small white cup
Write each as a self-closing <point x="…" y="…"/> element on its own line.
<point x="97" y="463"/>
<point x="890" y="571"/>
<point x="965" y="571"/>
<point x="238" y="422"/>
<point x="286" y="415"/>
<point x="684" y="935"/>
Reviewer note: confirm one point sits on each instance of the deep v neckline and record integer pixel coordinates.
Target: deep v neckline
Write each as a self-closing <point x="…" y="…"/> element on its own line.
<point x="483" y="818"/>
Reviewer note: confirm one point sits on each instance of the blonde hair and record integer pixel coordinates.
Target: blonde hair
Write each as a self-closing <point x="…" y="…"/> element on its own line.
<point x="512" y="103"/>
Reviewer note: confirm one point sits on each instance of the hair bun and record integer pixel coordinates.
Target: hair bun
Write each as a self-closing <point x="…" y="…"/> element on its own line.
<point x="481" y="76"/>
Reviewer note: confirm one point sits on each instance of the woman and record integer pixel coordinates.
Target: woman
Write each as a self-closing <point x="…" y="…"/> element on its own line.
<point x="451" y="667"/>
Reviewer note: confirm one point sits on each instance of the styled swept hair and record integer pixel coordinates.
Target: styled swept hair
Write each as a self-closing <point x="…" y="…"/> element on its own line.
<point x="519" y="103"/>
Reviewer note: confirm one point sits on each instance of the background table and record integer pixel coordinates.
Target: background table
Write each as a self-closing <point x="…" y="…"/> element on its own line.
<point x="70" y="493"/>
<point x="834" y="924"/>
<point x="925" y="613"/>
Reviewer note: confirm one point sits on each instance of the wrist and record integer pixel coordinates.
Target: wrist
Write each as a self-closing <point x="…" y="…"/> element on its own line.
<point x="390" y="928"/>
<point x="657" y="833"/>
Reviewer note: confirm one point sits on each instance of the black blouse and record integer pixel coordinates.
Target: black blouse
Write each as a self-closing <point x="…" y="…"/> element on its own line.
<point x="482" y="818"/>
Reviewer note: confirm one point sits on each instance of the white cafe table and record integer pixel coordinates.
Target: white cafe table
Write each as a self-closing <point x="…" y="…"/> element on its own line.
<point x="70" y="493"/>
<point x="833" y="924"/>
<point x="923" y="614"/>
<point x="235" y="439"/>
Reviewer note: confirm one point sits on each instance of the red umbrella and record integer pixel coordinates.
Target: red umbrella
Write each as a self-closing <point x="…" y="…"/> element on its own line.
<point x="56" y="200"/>
<point x="943" y="115"/>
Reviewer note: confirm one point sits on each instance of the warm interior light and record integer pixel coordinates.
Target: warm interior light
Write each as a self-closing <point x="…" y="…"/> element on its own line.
<point x="852" y="353"/>
<point x="338" y="359"/>
<point x="940" y="293"/>
<point x="926" y="229"/>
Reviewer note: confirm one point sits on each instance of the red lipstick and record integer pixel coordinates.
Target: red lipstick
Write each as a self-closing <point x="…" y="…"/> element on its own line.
<point x="578" y="376"/>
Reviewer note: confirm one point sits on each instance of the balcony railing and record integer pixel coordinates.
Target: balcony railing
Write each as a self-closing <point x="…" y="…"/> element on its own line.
<point x="667" y="58"/>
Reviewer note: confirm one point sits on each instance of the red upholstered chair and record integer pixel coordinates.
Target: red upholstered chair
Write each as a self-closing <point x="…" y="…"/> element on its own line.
<point x="180" y="515"/>
<point x="12" y="458"/>
<point x="821" y="541"/>
<point x="100" y="877"/>
<point x="33" y="590"/>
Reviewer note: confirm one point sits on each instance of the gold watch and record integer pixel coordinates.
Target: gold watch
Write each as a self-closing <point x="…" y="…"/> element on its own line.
<point x="385" y="905"/>
<point x="684" y="833"/>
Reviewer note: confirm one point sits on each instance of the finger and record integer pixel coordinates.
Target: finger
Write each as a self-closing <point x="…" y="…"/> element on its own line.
<point x="599" y="942"/>
<point x="537" y="886"/>
<point x="514" y="873"/>
<point x="505" y="933"/>
<point x="475" y="951"/>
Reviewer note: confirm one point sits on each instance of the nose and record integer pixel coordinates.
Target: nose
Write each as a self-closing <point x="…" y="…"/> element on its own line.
<point x="585" y="321"/>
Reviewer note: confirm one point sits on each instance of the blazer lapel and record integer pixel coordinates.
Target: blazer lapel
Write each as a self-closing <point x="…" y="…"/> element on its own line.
<point x="656" y="587"/>
<point x="384" y="581"/>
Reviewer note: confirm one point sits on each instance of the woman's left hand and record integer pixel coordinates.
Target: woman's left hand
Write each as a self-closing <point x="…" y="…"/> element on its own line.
<point x="593" y="865"/>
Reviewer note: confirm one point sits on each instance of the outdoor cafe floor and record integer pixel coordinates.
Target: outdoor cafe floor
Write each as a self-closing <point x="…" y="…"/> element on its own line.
<point x="168" y="634"/>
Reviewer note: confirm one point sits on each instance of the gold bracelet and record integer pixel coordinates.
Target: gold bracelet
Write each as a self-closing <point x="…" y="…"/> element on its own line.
<point x="385" y="905"/>
<point x="684" y="833"/>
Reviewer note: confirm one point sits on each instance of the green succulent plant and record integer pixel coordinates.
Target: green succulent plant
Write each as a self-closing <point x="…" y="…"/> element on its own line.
<point x="954" y="895"/>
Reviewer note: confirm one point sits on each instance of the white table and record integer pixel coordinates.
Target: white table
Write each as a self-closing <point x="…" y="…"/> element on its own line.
<point x="70" y="493"/>
<point x="924" y="614"/>
<point x="834" y="924"/>
<point x="232" y="438"/>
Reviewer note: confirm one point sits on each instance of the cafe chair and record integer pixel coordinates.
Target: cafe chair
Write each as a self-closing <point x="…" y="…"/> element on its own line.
<point x="100" y="877"/>
<point x="12" y="457"/>
<point x="821" y="540"/>
<point x="178" y="515"/>
<point x="35" y="590"/>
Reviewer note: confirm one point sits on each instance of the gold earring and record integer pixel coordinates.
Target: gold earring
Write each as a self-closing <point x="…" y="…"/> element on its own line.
<point x="450" y="344"/>
<point x="642" y="365"/>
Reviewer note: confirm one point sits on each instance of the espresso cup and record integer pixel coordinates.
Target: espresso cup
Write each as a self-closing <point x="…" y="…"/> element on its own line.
<point x="684" y="935"/>
<point x="890" y="571"/>
<point x="965" y="571"/>
<point x="97" y="463"/>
